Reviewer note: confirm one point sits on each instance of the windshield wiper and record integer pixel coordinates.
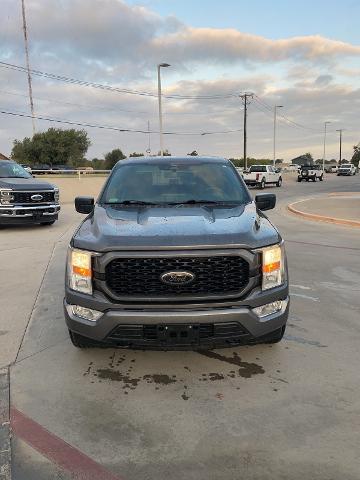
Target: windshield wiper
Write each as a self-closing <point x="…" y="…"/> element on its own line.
<point x="130" y="202"/>
<point x="13" y="176"/>
<point x="205" y="202"/>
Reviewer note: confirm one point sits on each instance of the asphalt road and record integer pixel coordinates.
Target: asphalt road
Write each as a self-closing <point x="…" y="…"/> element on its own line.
<point x="287" y="411"/>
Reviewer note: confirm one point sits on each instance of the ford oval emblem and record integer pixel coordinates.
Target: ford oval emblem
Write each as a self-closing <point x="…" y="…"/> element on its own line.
<point x="36" y="198"/>
<point x="177" y="278"/>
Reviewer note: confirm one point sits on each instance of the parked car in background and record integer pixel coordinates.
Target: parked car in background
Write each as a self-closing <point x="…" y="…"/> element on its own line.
<point x="59" y="169"/>
<point x="24" y="199"/>
<point x="311" y="172"/>
<point x="26" y="167"/>
<point x="176" y="254"/>
<point x="347" y="169"/>
<point x="331" y="169"/>
<point x="262" y="175"/>
<point x="41" y="169"/>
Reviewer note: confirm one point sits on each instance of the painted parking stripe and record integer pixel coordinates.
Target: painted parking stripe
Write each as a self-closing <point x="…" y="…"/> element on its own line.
<point x="57" y="450"/>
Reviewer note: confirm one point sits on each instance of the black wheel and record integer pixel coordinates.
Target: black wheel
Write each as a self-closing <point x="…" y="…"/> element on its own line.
<point x="279" y="182"/>
<point x="48" y="223"/>
<point x="314" y="178"/>
<point x="83" y="342"/>
<point x="299" y="179"/>
<point x="321" y="178"/>
<point x="262" y="184"/>
<point x="307" y="179"/>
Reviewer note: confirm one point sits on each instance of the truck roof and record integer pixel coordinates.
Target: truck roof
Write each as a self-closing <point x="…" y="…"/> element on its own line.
<point x="172" y="159"/>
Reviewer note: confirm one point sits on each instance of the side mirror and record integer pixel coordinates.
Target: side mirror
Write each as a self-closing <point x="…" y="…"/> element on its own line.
<point x="265" y="201"/>
<point x="84" y="204"/>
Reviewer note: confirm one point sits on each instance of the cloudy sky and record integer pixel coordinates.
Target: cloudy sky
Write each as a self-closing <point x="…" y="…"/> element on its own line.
<point x="304" y="55"/>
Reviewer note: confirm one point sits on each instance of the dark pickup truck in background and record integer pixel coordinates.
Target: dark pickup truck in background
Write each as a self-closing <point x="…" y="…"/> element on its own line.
<point x="25" y="200"/>
<point x="176" y="254"/>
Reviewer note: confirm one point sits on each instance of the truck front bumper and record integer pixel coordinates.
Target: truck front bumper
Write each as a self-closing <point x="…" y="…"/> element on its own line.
<point x="193" y="327"/>
<point x="20" y="215"/>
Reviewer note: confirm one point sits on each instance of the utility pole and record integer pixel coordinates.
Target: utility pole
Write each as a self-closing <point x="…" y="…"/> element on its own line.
<point x="28" y="65"/>
<point x="324" y="153"/>
<point x="340" y="144"/>
<point x="148" y="151"/>
<point x="245" y="97"/>
<point x="274" y="140"/>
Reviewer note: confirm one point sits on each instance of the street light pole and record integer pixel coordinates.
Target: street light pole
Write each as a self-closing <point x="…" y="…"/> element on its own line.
<point x="324" y="153"/>
<point x="340" y="142"/>
<point x="160" y="107"/>
<point x="274" y="143"/>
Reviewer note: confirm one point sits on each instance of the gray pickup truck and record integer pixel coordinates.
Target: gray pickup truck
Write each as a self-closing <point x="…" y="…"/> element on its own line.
<point x="175" y="254"/>
<point x="25" y="200"/>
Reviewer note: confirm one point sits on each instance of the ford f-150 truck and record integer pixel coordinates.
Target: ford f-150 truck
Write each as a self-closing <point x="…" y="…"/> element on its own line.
<point x="25" y="200"/>
<point x="175" y="254"/>
<point x="262" y="175"/>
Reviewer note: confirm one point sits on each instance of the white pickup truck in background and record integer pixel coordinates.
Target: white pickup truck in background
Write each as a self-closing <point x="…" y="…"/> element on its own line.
<point x="262" y="175"/>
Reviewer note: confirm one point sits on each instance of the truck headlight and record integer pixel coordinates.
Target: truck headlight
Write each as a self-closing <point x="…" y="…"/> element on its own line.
<point x="79" y="270"/>
<point x="6" y="197"/>
<point x="56" y="195"/>
<point x="272" y="266"/>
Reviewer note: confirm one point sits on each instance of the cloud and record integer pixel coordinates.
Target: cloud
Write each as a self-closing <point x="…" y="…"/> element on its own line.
<point x="118" y="43"/>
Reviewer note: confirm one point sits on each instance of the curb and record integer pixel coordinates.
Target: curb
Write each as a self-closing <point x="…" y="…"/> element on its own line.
<point x="5" y="445"/>
<point x="322" y="218"/>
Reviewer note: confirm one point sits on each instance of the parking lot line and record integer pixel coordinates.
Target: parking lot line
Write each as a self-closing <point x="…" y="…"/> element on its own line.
<point x="57" y="450"/>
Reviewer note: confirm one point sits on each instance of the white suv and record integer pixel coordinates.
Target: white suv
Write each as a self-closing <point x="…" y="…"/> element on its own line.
<point x="310" y="172"/>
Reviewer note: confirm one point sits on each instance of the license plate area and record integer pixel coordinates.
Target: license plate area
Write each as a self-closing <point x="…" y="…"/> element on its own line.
<point x="178" y="334"/>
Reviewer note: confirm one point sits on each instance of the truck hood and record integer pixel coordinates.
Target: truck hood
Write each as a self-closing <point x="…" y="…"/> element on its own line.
<point x="113" y="228"/>
<point x="25" y="184"/>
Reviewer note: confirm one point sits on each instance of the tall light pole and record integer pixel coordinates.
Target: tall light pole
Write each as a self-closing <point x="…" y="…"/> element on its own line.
<point x="340" y="144"/>
<point x="324" y="154"/>
<point x="274" y="144"/>
<point x="160" y="108"/>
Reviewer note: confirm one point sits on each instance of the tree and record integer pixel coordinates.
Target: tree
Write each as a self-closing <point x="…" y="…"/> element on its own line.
<point x="135" y="154"/>
<point x="111" y="158"/>
<point x="166" y="153"/>
<point x="53" y="147"/>
<point x="356" y="157"/>
<point x="193" y="153"/>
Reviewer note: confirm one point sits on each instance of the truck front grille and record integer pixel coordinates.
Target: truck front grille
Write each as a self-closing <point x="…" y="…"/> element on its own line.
<point x="141" y="277"/>
<point x="25" y="197"/>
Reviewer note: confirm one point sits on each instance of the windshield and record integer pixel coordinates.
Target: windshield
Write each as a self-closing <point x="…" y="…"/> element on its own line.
<point x="13" y="170"/>
<point x="345" y="165"/>
<point x="164" y="183"/>
<point x="257" y="168"/>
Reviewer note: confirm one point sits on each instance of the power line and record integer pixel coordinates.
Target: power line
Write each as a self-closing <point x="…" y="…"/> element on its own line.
<point x="107" y="127"/>
<point x="75" y="81"/>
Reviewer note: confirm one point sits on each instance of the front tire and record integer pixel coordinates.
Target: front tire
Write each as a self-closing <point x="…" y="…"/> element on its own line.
<point x="262" y="184"/>
<point x="321" y="178"/>
<point x="299" y="179"/>
<point x="83" y="342"/>
<point x="314" y="178"/>
<point x="279" y="182"/>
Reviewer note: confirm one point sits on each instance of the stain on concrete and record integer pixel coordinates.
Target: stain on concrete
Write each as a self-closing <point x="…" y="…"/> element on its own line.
<point x="160" y="379"/>
<point x="247" y="369"/>
<point x="216" y="376"/>
<point x="117" y="376"/>
<point x="304" y="341"/>
<point x="3" y="332"/>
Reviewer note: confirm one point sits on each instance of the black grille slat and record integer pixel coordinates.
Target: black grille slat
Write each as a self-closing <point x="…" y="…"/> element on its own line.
<point x="25" y="197"/>
<point x="140" y="277"/>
